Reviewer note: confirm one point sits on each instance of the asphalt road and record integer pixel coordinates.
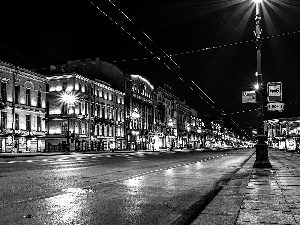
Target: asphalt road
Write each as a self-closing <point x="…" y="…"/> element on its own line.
<point x="112" y="188"/>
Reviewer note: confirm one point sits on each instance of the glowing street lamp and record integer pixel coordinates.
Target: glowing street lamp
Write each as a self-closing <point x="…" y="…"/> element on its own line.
<point x="188" y="128"/>
<point x="135" y="115"/>
<point x="262" y="159"/>
<point x="69" y="99"/>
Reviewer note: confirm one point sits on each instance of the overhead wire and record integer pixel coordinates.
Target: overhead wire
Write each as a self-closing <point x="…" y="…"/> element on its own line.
<point x="164" y="55"/>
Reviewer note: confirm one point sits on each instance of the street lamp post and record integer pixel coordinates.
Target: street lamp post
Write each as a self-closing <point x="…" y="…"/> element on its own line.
<point x="188" y="136"/>
<point x="262" y="159"/>
<point x="170" y="125"/>
<point x="69" y="100"/>
<point x="135" y="115"/>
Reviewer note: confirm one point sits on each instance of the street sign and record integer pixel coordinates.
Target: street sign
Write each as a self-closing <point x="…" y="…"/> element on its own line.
<point x="275" y="106"/>
<point x="274" y="92"/>
<point x="249" y="97"/>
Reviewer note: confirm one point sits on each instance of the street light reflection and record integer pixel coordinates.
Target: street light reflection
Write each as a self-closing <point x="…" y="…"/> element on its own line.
<point x="67" y="208"/>
<point x="135" y="199"/>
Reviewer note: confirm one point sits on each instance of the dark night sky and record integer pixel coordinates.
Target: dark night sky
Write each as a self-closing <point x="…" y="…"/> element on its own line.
<point x="36" y="34"/>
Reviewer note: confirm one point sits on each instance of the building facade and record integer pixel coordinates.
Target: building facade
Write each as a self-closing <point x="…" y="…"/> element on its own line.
<point x="84" y="114"/>
<point x="183" y="118"/>
<point x="23" y="109"/>
<point x="140" y="113"/>
<point x="166" y="121"/>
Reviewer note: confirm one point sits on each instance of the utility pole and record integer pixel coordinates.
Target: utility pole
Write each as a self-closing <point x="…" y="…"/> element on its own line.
<point x="262" y="159"/>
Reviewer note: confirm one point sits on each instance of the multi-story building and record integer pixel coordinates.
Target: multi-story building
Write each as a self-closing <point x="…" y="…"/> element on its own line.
<point x="140" y="113"/>
<point x="23" y="108"/>
<point x="166" y="123"/>
<point x="196" y="131"/>
<point x="183" y="117"/>
<point x="84" y="114"/>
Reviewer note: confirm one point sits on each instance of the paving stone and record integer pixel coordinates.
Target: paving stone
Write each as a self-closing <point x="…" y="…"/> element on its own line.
<point x="264" y="191"/>
<point x="265" y="198"/>
<point x="265" y="216"/>
<point x="213" y="219"/>
<point x="259" y="205"/>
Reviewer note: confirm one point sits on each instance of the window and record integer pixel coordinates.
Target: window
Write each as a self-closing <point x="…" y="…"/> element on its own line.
<point x="98" y="110"/>
<point x="17" y="94"/>
<point x="102" y="130"/>
<point x="80" y="106"/>
<point x="79" y="127"/>
<point x="39" y="123"/>
<point x="107" y="113"/>
<point x="3" y="91"/>
<point x="86" y="109"/>
<point x="97" y="93"/>
<point x="28" y="122"/>
<point x="17" y="121"/>
<point x="28" y="97"/>
<point x="64" y="127"/>
<point x="103" y="112"/>
<point x="108" y="131"/>
<point x="3" y="120"/>
<point x="92" y="91"/>
<point x="92" y="110"/>
<point x="79" y="85"/>
<point x="64" y="86"/>
<point x="39" y="100"/>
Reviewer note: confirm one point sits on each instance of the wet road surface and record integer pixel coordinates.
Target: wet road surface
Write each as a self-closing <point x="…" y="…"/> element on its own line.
<point x="110" y="188"/>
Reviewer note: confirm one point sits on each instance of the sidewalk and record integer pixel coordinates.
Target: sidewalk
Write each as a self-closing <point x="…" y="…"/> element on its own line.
<point x="258" y="196"/>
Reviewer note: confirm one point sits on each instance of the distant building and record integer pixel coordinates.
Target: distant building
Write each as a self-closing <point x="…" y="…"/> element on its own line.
<point x="166" y="123"/>
<point x="183" y="117"/>
<point x="23" y="108"/>
<point x="84" y="114"/>
<point x="140" y="113"/>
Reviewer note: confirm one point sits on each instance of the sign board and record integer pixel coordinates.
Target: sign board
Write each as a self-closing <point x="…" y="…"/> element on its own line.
<point x="275" y="106"/>
<point x="249" y="97"/>
<point x="274" y="92"/>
